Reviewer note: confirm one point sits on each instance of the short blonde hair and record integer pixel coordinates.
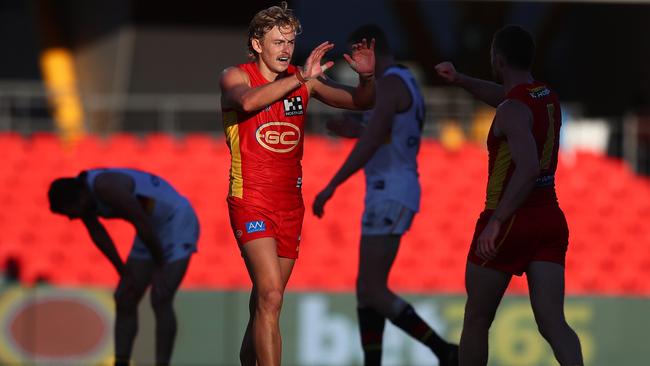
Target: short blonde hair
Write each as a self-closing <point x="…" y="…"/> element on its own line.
<point x="266" y="19"/>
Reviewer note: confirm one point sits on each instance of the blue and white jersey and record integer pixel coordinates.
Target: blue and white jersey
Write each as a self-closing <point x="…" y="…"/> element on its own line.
<point x="392" y="172"/>
<point x="158" y="198"/>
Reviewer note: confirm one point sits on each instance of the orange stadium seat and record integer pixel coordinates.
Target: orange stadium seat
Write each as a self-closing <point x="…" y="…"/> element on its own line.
<point x="605" y="203"/>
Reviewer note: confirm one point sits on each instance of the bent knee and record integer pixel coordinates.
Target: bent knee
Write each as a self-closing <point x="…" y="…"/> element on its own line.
<point x="548" y="328"/>
<point x="125" y="301"/>
<point x="370" y="295"/>
<point x="269" y="301"/>
<point x="160" y="298"/>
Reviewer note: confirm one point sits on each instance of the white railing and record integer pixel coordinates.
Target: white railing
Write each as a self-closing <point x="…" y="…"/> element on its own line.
<point x="24" y="108"/>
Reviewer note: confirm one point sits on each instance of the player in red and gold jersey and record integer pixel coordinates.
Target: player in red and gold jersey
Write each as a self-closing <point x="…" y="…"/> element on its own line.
<point x="522" y="228"/>
<point x="264" y="104"/>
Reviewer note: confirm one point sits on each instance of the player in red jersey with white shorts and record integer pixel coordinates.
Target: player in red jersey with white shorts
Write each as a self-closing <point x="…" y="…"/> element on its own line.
<point x="264" y="104"/>
<point x="522" y="228"/>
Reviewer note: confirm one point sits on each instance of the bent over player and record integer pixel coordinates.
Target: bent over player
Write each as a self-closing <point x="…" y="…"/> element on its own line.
<point x="167" y="231"/>
<point x="264" y="104"/>
<point x="522" y="228"/>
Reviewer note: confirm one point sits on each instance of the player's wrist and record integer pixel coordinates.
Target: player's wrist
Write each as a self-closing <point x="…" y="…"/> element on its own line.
<point x="331" y="187"/>
<point x="460" y="79"/>
<point x="367" y="77"/>
<point x="496" y="218"/>
<point x="301" y="78"/>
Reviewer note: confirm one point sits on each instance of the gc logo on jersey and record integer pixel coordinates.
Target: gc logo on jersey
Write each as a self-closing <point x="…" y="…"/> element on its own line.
<point x="255" y="226"/>
<point x="293" y="106"/>
<point x="280" y="137"/>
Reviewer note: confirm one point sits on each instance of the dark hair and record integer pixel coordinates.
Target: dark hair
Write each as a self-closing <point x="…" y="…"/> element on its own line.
<point x="63" y="192"/>
<point x="370" y="31"/>
<point x="516" y="45"/>
<point x="268" y="18"/>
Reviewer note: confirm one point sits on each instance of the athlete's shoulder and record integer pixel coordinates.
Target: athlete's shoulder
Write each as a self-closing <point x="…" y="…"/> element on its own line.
<point x="390" y="86"/>
<point x="531" y="93"/>
<point x="510" y="112"/>
<point x="398" y="69"/>
<point x="393" y="88"/>
<point x="241" y="70"/>
<point x="513" y="109"/>
<point x="233" y="78"/>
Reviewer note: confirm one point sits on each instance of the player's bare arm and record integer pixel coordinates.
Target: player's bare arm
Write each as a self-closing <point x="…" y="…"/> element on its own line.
<point x="103" y="241"/>
<point x="484" y="90"/>
<point x="115" y="190"/>
<point x="362" y="61"/>
<point x="390" y="90"/>
<point x="514" y="121"/>
<point x="237" y="93"/>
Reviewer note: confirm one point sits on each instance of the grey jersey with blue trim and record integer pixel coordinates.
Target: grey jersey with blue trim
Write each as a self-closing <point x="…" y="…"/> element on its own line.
<point x="392" y="172"/>
<point x="157" y="197"/>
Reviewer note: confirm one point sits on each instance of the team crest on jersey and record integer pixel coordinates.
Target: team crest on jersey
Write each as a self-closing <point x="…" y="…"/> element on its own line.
<point x="293" y="106"/>
<point x="280" y="137"/>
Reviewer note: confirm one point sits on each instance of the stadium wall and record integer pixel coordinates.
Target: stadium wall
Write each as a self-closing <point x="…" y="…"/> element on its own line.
<point x="70" y="327"/>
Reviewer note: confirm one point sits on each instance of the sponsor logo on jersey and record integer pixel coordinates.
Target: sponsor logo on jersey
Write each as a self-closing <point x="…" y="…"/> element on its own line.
<point x="545" y="181"/>
<point x="280" y="137"/>
<point x="539" y="92"/>
<point x="255" y="226"/>
<point x="293" y="106"/>
<point x="299" y="182"/>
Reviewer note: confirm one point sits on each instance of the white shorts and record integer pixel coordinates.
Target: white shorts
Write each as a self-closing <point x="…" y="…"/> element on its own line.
<point x="386" y="218"/>
<point x="178" y="237"/>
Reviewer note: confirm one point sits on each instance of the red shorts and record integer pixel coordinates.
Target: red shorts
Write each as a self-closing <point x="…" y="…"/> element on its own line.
<point x="250" y="221"/>
<point x="531" y="234"/>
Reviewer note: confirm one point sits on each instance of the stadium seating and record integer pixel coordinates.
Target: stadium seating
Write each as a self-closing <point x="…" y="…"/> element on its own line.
<point x="607" y="207"/>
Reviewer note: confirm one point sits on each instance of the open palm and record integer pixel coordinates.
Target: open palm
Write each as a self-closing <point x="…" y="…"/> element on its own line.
<point x="362" y="57"/>
<point x="313" y="67"/>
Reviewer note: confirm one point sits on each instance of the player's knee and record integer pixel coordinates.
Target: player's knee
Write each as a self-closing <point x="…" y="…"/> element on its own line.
<point x="478" y="318"/>
<point x="124" y="302"/>
<point x="369" y="294"/>
<point x="161" y="299"/>
<point x="548" y="328"/>
<point x="363" y="296"/>
<point x="269" y="301"/>
<point x="545" y="329"/>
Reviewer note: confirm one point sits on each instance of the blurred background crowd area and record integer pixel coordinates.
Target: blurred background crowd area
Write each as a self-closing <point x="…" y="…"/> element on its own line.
<point x="76" y="67"/>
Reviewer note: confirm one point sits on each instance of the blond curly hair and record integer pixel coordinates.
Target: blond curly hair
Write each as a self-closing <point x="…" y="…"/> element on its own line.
<point x="280" y="16"/>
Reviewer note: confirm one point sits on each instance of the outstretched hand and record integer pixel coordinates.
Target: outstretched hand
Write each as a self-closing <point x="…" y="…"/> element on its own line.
<point x="362" y="58"/>
<point x="313" y="67"/>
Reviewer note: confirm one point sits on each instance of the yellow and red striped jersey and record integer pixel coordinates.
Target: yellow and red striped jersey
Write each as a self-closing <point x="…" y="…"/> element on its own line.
<point x="266" y="146"/>
<point x="547" y="120"/>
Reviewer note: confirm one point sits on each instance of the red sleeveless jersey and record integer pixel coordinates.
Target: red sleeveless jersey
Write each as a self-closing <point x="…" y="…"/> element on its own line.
<point x="266" y="147"/>
<point x="547" y="120"/>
